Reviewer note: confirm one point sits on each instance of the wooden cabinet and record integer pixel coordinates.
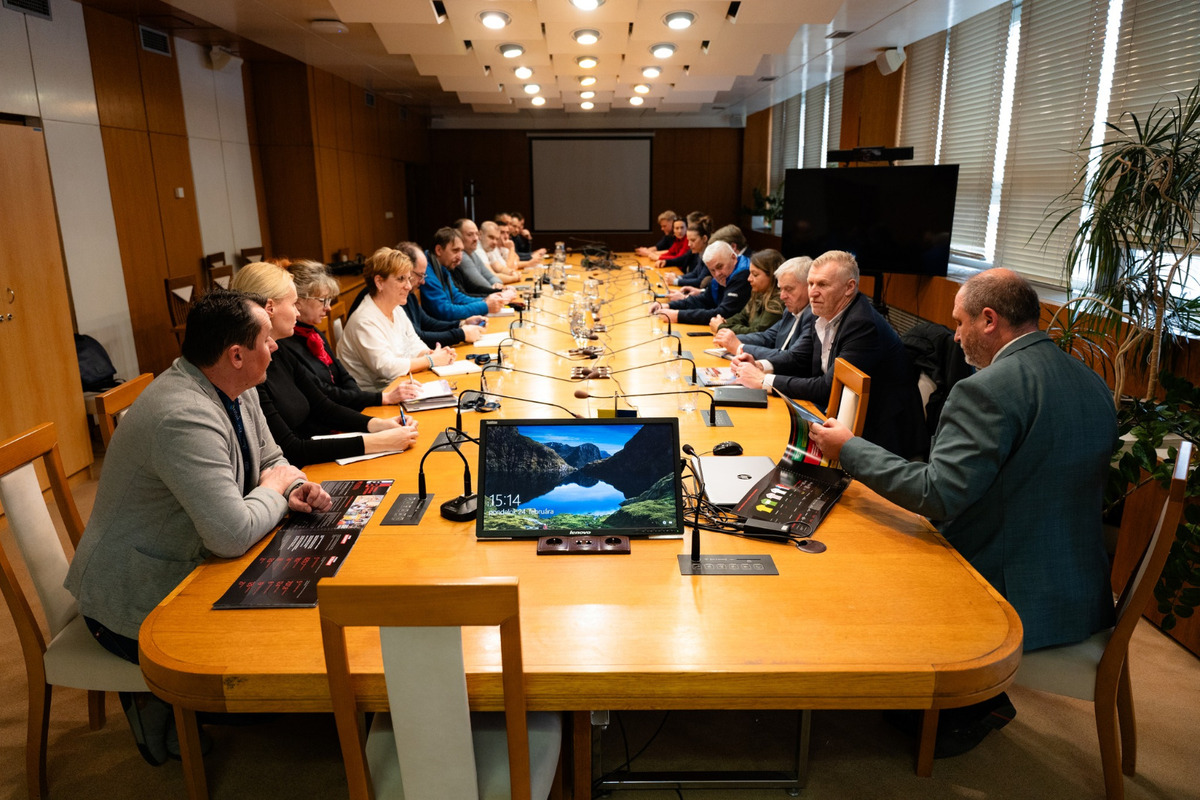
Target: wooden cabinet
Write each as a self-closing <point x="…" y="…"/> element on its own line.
<point x="39" y="373"/>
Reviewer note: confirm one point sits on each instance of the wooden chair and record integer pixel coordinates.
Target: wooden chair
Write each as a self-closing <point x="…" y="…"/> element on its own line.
<point x="334" y="324"/>
<point x="181" y="293"/>
<point x="111" y="405"/>
<point x="251" y="254"/>
<point x="849" y="395"/>
<point x="1097" y="668"/>
<point x="430" y="744"/>
<point x="72" y="656"/>
<point x="219" y="273"/>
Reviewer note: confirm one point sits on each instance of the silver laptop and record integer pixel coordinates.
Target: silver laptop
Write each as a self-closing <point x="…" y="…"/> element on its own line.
<point x="728" y="478"/>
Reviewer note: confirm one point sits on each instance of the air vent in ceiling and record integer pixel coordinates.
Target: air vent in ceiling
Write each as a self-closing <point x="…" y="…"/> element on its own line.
<point x="155" y="41"/>
<point x="35" y="8"/>
<point x="768" y="78"/>
<point x="840" y="35"/>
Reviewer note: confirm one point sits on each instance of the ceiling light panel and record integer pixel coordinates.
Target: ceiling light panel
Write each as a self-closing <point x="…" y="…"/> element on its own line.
<point x="611" y="11"/>
<point x="395" y="11"/>
<point x="708" y="21"/>
<point x="614" y="37"/>
<point x="463" y="18"/>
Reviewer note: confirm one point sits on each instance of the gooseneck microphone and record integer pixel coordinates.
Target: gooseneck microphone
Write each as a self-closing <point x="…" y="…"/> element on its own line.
<point x="583" y="394"/>
<point x="635" y="319"/>
<point x="591" y="336"/>
<point x="482" y="396"/>
<point x="570" y="356"/>
<point x="506" y="368"/>
<point x="699" y="473"/>
<point x="678" y="344"/>
<point x="463" y="507"/>
<point x="655" y="364"/>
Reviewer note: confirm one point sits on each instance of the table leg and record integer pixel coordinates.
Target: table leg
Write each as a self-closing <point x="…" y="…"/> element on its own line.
<point x="190" y="753"/>
<point x="581" y="746"/>
<point x="926" y="742"/>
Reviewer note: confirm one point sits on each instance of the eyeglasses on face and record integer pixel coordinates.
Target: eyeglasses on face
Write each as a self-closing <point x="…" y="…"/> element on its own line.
<point x="327" y="302"/>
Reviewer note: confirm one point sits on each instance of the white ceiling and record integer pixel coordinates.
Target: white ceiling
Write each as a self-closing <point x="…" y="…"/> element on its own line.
<point x="772" y="50"/>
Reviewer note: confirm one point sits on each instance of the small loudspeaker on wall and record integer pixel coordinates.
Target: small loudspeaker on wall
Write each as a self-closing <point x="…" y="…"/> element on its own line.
<point x="890" y="60"/>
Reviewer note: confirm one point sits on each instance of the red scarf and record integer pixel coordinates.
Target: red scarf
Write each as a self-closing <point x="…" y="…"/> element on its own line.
<point x="316" y="344"/>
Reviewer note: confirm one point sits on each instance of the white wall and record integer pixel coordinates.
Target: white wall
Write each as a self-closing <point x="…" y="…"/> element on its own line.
<point x="61" y="74"/>
<point x="214" y="107"/>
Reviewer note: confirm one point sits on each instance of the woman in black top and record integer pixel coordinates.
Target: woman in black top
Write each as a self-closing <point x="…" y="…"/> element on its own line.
<point x="295" y="406"/>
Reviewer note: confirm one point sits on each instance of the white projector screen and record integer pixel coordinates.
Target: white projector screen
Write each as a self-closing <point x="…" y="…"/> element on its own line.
<point x="591" y="184"/>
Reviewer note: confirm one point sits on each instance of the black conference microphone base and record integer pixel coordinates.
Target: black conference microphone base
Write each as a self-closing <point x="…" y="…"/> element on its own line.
<point x="462" y="508"/>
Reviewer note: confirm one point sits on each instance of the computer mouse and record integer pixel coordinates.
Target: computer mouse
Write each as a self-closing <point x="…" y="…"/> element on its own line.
<point x="727" y="449"/>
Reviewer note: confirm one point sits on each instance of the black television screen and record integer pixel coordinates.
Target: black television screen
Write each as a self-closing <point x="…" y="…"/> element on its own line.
<point x="893" y="219"/>
<point x="540" y="477"/>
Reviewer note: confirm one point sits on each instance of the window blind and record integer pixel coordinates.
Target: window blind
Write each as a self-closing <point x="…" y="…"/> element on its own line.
<point x="921" y="97"/>
<point x="973" y="89"/>
<point x="778" y="122"/>
<point x="835" y="115"/>
<point x="1054" y="101"/>
<point x="1158" y="53"/>
<point x="814" y="126"/>
<point x="791" y="134"/>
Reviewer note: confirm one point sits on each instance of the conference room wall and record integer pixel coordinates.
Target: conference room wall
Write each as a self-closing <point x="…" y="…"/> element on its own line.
<point x="691" y="169"/>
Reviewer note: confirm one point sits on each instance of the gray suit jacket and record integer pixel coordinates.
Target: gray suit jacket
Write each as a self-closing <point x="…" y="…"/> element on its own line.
<point x="1015" y="482"/>
<point x="766" y="345"/>
<point x="171" y="495"/>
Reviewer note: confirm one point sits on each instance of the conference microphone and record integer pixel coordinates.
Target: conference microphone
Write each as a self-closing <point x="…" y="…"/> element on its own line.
<point x="576" y="354"/>
<point x="648" y="316"/>
<point x="678" y="344"/>
<point x="698" y="471"/>
<point x="506" y="368"/>
<point x="590" y="335"/>
<point x="622" y="297"/>
<point x="583" y="394"/>
<point x="654" y="364"/>
<point x="464" y="507"/>
<point x="484" y="395"/>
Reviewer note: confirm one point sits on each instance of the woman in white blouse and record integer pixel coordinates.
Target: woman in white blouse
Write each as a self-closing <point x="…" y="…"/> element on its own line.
<point x="379" y="343"/>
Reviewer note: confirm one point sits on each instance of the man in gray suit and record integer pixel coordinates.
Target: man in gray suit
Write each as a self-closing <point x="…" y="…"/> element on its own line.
<point x="192" y="472"/>
<point x="1015" y="478"/>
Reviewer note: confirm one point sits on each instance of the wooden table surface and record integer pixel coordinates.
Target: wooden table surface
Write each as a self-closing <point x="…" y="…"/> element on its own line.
<point x="889" y="616"/>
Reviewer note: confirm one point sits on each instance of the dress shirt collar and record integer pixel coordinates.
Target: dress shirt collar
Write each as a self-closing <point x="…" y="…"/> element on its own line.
<point x="827" y="332"/>
<point x="1010" y="343"/>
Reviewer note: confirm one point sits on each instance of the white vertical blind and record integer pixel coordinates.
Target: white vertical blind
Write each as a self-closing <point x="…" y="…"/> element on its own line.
<point x="1158" y="54"/>
<point x="973" y="89"/>
<point x="778" y="123"/>
<point x="814" y="125"/>
<point x="921" y="98"/>
<point x="1053" y="105"/>
<point x="834" y="142"/>
<point x="791" y="134"/>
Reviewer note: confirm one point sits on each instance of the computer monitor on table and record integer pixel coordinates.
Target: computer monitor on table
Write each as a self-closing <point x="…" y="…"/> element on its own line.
<point x="618" y="476"/>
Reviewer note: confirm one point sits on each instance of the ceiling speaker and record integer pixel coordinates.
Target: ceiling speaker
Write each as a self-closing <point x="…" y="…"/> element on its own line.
<point x="890" y="60"/>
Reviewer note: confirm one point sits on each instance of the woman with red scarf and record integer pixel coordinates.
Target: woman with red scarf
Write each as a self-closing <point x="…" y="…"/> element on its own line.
<point x="679" y="247"/>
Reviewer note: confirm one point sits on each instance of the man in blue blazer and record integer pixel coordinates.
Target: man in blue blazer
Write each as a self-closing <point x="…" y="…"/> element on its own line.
<point x="844" y="324"/>
<point x="726" y="294"/>
<point x="792" y="278"/>
<point x="1016" y="476"/>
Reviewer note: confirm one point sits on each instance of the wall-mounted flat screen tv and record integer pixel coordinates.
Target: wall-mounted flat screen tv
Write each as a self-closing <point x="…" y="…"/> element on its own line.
<point x="611" y="476"/>
<point x="893" y="219"/>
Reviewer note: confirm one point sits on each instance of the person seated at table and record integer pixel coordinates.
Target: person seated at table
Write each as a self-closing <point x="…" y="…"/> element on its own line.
<point x="666" y="221"/>
<point x="693" y="272"/>
<point x="726" y="295"/>
<point x="316" y="292"/>
<point x="473" y="275"/>
<point x="191" y="472"/>
<point x="522" y="239"/>
<point x="434" y="332"/>
<point x="734" y="236"/>
<point x="679" y="247"/>
<point x="764" y="308"/>
<point x="491" y="252"/>
<point x="1015" y="478"/>
<point x="296" y="408"/>
<point x="379" y="344"/>
<point x="440" y="296"/>
<point x="792" y="278"/>
<point x="844" y="324"/>
<point x="514" y="262"/>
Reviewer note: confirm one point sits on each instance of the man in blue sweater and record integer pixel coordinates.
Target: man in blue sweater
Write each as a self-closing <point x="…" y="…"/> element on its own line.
<point x="440" y="296"/>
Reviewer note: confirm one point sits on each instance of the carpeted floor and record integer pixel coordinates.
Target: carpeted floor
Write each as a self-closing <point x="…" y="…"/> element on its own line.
<point x="1048" y="751"/>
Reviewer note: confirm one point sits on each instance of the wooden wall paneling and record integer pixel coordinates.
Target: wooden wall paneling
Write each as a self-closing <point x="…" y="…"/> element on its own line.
<point x="368" y="204"/>
<point x="324" y="110"/>
<point x="342" y="114"/>
<point x="18" y="89"/>
<point x="329" y="198"/>
<point x="348" y="176"/>
<point x="879" y="123"/>
<point x="364" y="122"/>
<point x="162" y="92"/>
<point x="113" y="47"/>
<point x="389" y="118"/>
<point x="140" y="238"/>
<point x="260" y="189"/>
<point x="413" y="138"/>
<point x="290" y="178"/>
<point x="399" y="200"/>
<point x="380" y="174"/>
<point x="756" y="150"/>
<point x="281" y="104"/>
<point x="39" y="371"/>
<point x="180" y="218"/>
<point x="852" y="107"/>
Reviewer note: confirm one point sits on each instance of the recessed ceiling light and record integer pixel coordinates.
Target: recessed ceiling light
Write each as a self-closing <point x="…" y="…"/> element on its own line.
<point x="636" y="101"/>
<point x="511" y="50"/>
<point x="587" y="105"/>
<point x="532" y="88"/>
<point x="328" y="26"/>
<point x="587" y="5"/>
<point x="587" y="80"/>
<point x="494" y="19"/>
<point x="586" y="36"/>
<point x="587" y="62"/>
<point x="642" y="88"/>
<point x="539" y="101"/>
<point x="523" y="72"/>
<point x="663" y="50"/>
<point x="651" y="72"/>
<point x="588" y="95"/>
<point x="678" y="20"/>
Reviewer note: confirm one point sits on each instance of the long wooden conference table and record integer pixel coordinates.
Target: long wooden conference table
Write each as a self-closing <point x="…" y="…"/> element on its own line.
<point x="889" y="616"/>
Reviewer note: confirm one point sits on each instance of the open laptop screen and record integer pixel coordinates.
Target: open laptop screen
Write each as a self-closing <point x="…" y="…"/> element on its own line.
<point x="579" y="476"/>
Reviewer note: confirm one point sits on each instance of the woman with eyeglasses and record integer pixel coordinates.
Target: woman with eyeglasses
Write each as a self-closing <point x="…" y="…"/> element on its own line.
<point x="379" y="344"/>
<point x="295" y="406"/>
<point x="318" y="291"/>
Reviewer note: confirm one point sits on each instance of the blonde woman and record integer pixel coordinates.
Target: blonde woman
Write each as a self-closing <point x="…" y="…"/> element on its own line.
<point x="295" y="407"/>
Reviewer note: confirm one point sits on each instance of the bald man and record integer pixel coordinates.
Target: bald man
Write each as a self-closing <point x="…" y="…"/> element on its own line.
<point x="1015" y="478"/>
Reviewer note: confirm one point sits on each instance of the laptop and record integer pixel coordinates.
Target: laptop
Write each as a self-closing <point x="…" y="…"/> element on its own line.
<point x="616" y="476"/>
<point x="727" y="479"/>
